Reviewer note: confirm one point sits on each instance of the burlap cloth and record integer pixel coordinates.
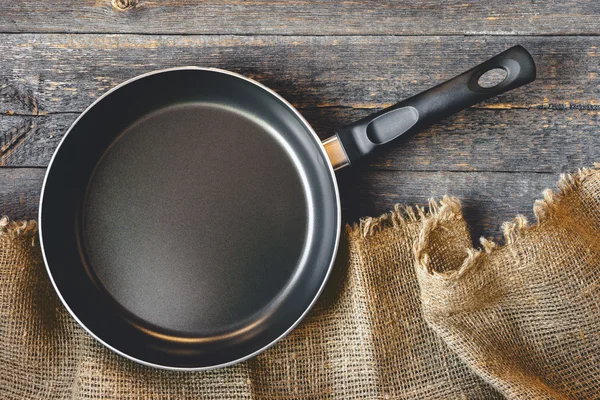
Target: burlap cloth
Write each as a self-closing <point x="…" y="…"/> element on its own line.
<point x="411" y="311"/>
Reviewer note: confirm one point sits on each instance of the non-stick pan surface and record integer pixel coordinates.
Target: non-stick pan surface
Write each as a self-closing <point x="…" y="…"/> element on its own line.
<point x="190" y="218"/>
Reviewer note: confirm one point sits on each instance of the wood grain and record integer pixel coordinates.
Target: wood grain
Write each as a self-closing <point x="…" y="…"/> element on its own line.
<point x="548" y="126"/>
<point x="489" y="199"/>
<point x="65" y="73"/>
<point x="475" y="140"/>
<point x="293" y="17"/>
<point x="532" y="140"/>
<point x="20" y="192"/>
<point x="27" y="141"/>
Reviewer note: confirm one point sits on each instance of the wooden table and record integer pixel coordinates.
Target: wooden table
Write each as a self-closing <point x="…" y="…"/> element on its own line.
<point x="335" y="61"/>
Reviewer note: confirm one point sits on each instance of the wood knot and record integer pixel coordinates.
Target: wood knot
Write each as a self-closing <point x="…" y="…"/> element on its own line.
<point x="124" y="5"/>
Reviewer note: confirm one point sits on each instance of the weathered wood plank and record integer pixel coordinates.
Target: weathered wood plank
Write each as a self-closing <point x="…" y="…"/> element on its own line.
<point x="29" y="141"/>
<point x="64" y="73"/>
<point x="303" y="17"/>
<point x="476" y="140"/>
<point x="533" y="140"/>
<point x="489" y="198"/>
<point x="20" y="192"/>
<point x="332" y="80"/>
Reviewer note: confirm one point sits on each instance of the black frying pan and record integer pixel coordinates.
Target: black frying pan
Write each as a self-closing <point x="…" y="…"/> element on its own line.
<point x="190" y="217"/>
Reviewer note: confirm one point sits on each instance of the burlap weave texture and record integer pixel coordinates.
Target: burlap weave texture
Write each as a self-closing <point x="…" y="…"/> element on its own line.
<point x="411" y="311"/>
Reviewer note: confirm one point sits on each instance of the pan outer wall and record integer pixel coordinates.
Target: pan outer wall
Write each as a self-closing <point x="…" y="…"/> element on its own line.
<point x="189" y="265"/>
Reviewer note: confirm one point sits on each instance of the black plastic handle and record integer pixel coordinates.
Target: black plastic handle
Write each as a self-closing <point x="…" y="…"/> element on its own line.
<point x="418" y="112"/>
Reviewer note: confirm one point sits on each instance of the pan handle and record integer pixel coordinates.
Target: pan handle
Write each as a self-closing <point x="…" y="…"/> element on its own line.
<point x="424" y="109"/>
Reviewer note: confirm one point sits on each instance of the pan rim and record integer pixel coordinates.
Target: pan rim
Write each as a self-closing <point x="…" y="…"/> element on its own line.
<point x="328" y="166"/>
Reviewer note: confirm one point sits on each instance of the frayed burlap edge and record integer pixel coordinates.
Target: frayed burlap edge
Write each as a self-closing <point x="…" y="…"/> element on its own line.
<point x="449" y="208"/>
<point x="14" y="229"/>
<point x="446" y="208"/>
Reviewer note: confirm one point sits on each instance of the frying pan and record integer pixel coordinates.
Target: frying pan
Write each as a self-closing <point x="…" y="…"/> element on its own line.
<point x="190" y="217"/>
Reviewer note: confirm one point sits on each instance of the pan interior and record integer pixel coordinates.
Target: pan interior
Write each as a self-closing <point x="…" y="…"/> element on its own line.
<point x="196" y="218"/>
<point x="189" y="219"/>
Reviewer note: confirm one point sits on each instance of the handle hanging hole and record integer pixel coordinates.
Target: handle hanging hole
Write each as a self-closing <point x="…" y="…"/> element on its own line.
<point x="492" y="78"/>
